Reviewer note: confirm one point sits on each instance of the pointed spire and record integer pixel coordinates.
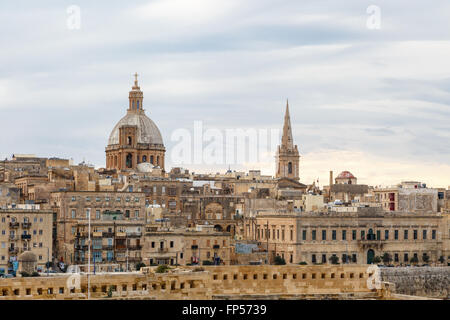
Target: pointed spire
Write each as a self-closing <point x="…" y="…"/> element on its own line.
<point x="286" y="140"/>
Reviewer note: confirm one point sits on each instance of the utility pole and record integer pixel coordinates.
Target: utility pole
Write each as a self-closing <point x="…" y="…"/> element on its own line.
<point x="89" y="256"/>
<point x="267" y="238"/>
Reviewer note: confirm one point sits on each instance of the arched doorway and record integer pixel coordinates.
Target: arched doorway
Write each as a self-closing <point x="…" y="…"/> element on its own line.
<point x="370" y="256"/>
<point x="218" y="228"/>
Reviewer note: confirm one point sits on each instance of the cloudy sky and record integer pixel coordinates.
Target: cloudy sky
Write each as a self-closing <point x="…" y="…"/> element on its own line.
<point x="371" y="101"/>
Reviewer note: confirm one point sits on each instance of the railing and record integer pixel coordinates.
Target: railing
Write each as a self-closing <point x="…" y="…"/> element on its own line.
<point x="108" y="234"/>
<point x="163" y="250"/>
<point x="26" y="236"/>
<point x="134" y="234"/>
<point x="135" y="247"/>
<point x="14" y="224"/>
<point x="108" y="247"/>
<point x="13" y="237"/>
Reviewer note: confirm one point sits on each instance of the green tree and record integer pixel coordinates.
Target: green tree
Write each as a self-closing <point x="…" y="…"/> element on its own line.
<point x="425" y="258"/>
<point x="386" y="257"/>
<point x="441" y="259"/>
<point x="376" y="259"/>
<point x="207" y="263"/>
<point x="414" y="260"/>
<point x="279" y="261"/>
<point x="334" y="259"/>
<point x="302" y="263"/>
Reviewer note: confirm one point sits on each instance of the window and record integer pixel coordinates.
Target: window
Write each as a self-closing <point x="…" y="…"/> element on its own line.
<point x="354" y="258"/>
<point x="353" y="234"/>
<point x="396" y="234"/>
<point x="40" y="232"/>
<point x="97" y="214"/>
<point x="73" y="198"/>
<point x="405" y="235"/>
<point x="324" y="258"/>
<point x="127" y="199"/>
<point x="282" y="234"/>
<point x="153" y="244"/>
<point x="378" y="235"/>
<point x="118" y="199"/>
<point x="304" y="235"/>
<point x="136" y="199"/>
<point x="313" y="235"/>
<point x="136" y="213"/>
<point x="290" y="167"/>
<point x="405" y="257"/>
<point x="396" y="257"/>
<point x="424" y="234"/>
<point x="313" y="258"/>
<point x="333" y="234"/>
<point x="292" y="234"/>
<point x="163" y="189"/>
<point x="344" y="234"/>
<point x="363" y="234"/>
<point x="415" y="234"/>
<point x="324" y="234"/>
<point x="171" y="244"/>
<point x="97" y="199"/>
<point x="88" y="212"/>
<point x="88" y="199"/>
<point x="386" y="234"/>
<point x="107" y="199"/>
<point x="433" y="234"/>
<point x="74" y="214"/>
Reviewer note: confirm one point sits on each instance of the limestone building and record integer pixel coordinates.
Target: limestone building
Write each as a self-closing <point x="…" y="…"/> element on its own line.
<point x="25" y="228"/>
<point x="135" y="138"/>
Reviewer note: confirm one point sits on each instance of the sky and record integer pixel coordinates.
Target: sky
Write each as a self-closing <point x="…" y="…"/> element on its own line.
<point x="374" y="101"/>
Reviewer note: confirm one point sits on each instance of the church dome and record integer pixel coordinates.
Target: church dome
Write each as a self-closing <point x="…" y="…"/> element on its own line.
<point x="147" y="131"/>
<point x="345" y="175"/>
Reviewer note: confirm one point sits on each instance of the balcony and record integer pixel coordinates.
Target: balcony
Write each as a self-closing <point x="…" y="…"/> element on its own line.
<point x="13" y="237"/>
<point x="194" y="247"/>
<point x="163" y="250"/>
<point x="107" y="247"/>
<point x="14" y="225"/>
<point x="108" y="234"/>
<point x="135" y="247"/>
<point x="97" y="234"/>
<point x="26" y="225"/>
<point x="26" y="236"/>
<point x="134" y="234"/>
<point x="216" y="246"/>
<point x="121" y="235"/>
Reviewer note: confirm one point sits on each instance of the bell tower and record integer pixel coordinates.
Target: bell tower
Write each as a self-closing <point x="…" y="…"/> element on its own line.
<point x="287" y="157"/>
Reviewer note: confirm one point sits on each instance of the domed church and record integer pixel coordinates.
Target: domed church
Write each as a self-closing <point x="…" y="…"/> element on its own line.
<point x="135" y="139"/>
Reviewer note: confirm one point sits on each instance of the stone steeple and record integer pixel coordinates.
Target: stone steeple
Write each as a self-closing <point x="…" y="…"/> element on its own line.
<point x="287" y="157"/>
<point x="135" y="98"/>
<point x="287" y="141"/>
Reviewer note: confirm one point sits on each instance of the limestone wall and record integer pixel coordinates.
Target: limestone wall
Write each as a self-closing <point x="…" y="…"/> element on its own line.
<point x="208" y="283"/>
<point x="419" y="281"/>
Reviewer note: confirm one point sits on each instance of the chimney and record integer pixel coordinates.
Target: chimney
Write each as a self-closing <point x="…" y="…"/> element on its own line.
<point x="331" y="178"/>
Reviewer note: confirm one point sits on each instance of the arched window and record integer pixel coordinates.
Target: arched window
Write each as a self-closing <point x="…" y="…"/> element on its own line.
<point x="151" y="159"/>
<point x="129" y="141"/>
<point x="290" y="167"/>
<point x="129" y="160"/>
<point x="144" y="158"/>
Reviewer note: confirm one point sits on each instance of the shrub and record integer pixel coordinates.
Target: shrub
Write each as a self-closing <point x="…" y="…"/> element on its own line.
<point x="207" y="263"/>
<point x="198" y="269"/>
<point x="376" y="259"/>
<point x="386" y="257"/>
<point x="25" y="274"/>
<point x="35" y="274"/>
<point x="140" y="265"/>
<point x="303" y="263"/>
<point x="279" y="261"/>
<point x="162" y="269"/>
